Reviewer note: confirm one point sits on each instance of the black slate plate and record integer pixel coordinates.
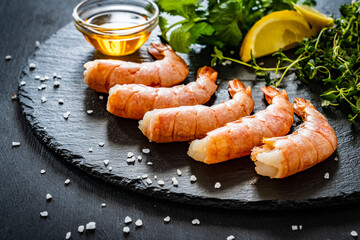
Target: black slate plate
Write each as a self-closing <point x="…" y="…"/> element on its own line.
<point x="67" y="51"/>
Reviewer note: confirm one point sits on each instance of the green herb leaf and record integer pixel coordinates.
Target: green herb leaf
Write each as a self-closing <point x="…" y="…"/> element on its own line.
<point x="180" y="38"/>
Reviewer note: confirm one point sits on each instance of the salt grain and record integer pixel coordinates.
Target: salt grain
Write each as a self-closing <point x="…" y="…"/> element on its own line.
<point x="232" y="52"/>
<point x="90" y="149"/>
<point x="354" y="233"/>
<point x="89" y="111"/>
<point x="37" y="44"/>
<point x="161" y="183"/>
<point x="146" y="150"/>
<point x="261" y="63"/>
<point x="43" y="99"/>
<point x="90" y="226"/>
<point x="81" y="229"/>
<point x="48" y="197"/>
<point x="68" y="235"/>
<point x="41" y="87"/>
<point x="56" y="84"/>
<point x="300" y="227"/>
<point x="103" y="205"/>
<point x="130" y="154"/>
<point x="59" y="76"/>
<point x="106" y="162"/>
<point x="327" y="175"/>
<point x="174" y="181"/>
<point x="67" y="182"/>
<point x="155" y="177"/>
<point x="101" y="144"/>
<point x="179" y="172"/>
<point x="42" y="79"/>
<point x="148" y="181"/>
<point x="13" y="97"/>
<point x="139" y="158"/>
<point x="37" y="77"/>
<point x="22" y="83"/>
<point x="167" y="219"/>
<point x="67" y="114"/>
<point x="193" y="178"/>
<point x="217" y="185"/>
<point x="336" y="159"/>
<point x="54" y="75"/>
<point x="32" y="66"/>
<point x="138" y="223"/>
<point x="8" y="58"/>
<point x="127" y="220"/>
<point x="15" y="144"/>
<point x="110" y="169"/>
<point x="130" y="160"/>
<point x="294" y="227"/>
<point x="101" y="97"/>
<point x="44" y="214"/>
<point x="126" y="229"/>
<point x="195" y="221"/>
<point x="61" y="101"/>
<point x="42" y="171"/>
<point x="231" y="237"/>
<point x="46" y="78"/>
<point x="149" y="163"/>
<point x="144" y="176"/>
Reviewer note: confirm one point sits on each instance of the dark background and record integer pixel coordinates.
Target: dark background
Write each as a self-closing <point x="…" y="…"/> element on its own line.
<point x="23" y="188"/>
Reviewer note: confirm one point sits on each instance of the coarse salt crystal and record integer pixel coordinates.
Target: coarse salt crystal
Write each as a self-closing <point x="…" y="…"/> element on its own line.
<point x="106" y="162"/>
<point x="231" y="237"/>
<point x="89" y="111"/>
<point x="193" y="178"/>
<point x="261" y="63"/>
<point x="7" y="57"/>
<point x="54" y="75"/>
<point x="46" y="78"/>
<point x="103" y="205"/>
<point x="81" y="229"/>
<point x="56" y="84"/>
<point x="217" y="185"/>
<point x="15" y="144"/>
<point x="68" y="235"/>
<point x="126" y="229"/>
<point x="59" y="76"/>
<point x="167" y="219"/>
<point x="144" y="176"/>
<point x="174" y="181"/>
<point x="138" y="177"/>
<point x="223" y="63"/>
<point x="149" y="163"/>
<point x="48" y="196"/>
<point x="138" y="223"/>
<point x="67" y="114"/>
<point x="131" y="160"/>
<point x="44" y="214"/>
<point x="43" y="99"/>
<point x="145" y="150"/>
<point x="327" y="175"/>
<point x="91" y="226"/>
<point x="32" y="66"/>
<point x="179" y="172"/>
<point x="195" y="221"/>
<point x="37" y="77"/>
<point x="61" y="101"/>
<point x="42" y="171"/>
<point x="148" y="181"/>
<point x="22" y="83"/>
<point x="232" y="52"/>
<point x="91" y="149"/>
<point x="130" y="154"/>
<point x="110" y="169"/>
<point x="67" y="182"/>
<point x="155" y="177"/>
<point x="300" y="227"/>
<point x="139" y="158"/>
<point x="101" y="97"/>
<point x="294" y="227"/>
<point x="41" y="87"/>
<point x="354" y="233"/>
<point x="161" y="182"/>
<point x="42" y="79"/>
<point x="13" y="97"/>
<point x="336" y="159"/>
<point x="37" y="44"/>
<point x="101" y="144"/>
<point x="127" y="220"/>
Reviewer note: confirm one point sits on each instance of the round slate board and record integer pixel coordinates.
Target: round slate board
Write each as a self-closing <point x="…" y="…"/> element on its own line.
<point x="66" y="52"/>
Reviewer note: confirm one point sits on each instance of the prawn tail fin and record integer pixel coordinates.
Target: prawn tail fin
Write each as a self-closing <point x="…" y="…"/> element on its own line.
<point x="236" y="86"/>
<point x="207" y="72"/>
<point x="157" y="50"/>
<point x="270" y="93"/>
<point x="299" y="106"/>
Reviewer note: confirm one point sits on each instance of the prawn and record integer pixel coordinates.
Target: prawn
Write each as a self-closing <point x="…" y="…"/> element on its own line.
<point x="134" y="100"/>
<point x="186" y="123"/>
<point x="236" y="139"/>
<point x="168" y="70"/>
<point x="313" y="142"/>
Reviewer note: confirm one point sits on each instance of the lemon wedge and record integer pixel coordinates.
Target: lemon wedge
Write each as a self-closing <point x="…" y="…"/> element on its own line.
<point x="277" y="30"/>
<point x="314" y="17"/>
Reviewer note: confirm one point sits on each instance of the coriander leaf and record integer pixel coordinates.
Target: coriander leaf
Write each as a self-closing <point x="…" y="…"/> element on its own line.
<point x="180" y="38"/>
<point x="200" y="29"/>
<point x="162" y="23"/>
<point x="185" y="8"/>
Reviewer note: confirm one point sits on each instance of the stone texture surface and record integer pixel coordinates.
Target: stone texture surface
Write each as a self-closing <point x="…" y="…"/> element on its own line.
<point x="66" y="52"/>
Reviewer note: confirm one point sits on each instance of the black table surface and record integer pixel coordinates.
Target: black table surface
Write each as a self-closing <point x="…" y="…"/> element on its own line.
<point x="23" y="188"/>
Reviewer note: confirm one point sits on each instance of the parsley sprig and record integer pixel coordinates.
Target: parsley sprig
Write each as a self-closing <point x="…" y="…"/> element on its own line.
<point x="333" y="58"/>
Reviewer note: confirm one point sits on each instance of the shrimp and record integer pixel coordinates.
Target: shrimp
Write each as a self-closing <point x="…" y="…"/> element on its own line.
<point x="236" y="139"/>
<point x="190" y="122"/>
<point x="313" y="142"/>
<point x="167" y="71"/>
<point x="134" y="100"/>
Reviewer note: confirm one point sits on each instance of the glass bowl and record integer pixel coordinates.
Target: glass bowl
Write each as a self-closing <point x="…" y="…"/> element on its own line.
<point x="116" y="27"/>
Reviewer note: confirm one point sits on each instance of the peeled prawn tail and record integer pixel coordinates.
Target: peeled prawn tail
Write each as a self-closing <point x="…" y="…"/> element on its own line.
<point x="271" y="92"/>
<point x="157" y="50"/>
<point x="207" y="73"/>
<point x="235" y="86"/>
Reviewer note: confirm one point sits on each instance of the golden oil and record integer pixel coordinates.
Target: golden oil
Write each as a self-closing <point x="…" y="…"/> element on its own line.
<point x="128" y="39"/>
